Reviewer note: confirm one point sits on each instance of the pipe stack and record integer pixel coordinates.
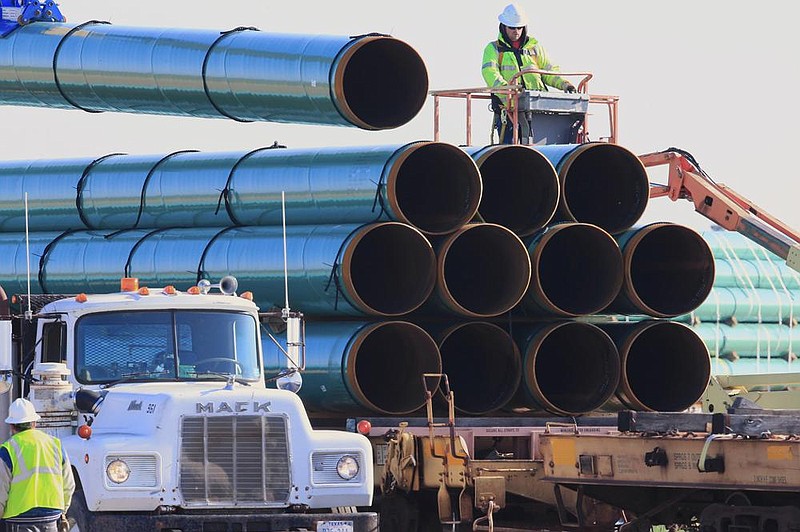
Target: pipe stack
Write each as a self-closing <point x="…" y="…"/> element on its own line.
<point x="496" y="264"/>
<point x="748" y="321"/>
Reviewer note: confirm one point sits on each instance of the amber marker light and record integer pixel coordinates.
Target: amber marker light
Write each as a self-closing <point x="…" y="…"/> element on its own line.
<point x="169" y="290"/>
<point x="129" y="284"/>
<point x="81" y="298"/>
<point x="194" y="290"/>
<point x="143" y="291"/>
<point x="364" y="427"/>
<point x="247" y="295"/>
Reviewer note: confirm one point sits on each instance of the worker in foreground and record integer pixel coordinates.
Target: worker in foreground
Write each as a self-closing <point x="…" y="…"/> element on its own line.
<point x="36" y="482"/>
<point x="514" y="50"/>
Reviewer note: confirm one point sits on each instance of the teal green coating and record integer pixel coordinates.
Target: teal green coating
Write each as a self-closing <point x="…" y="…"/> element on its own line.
<point x="751" y="366"/>
<point x="377" y="269"/>
<point x="360" y="368"/>
<point x="755" y="273"/>
<point x="729" y="245"/>
<point x="747" y="306"/>
<point x="14" y="265"/>
<point x="433" y="186"/>
<point x="243" y="75"/>
<point x="601" y="183"/>
<point x="749" y="340"/>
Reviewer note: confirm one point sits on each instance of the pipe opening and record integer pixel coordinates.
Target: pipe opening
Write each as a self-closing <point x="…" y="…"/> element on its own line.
<point x="389" y="363"/>
<point x="571" y="368"/>
<point x="436" y="188"/>
<point x="577" y="270"/>
<point x="483" y="365"/>
<point x="605" y="185"/>
<point x="667" y="367"/>
<point x="390" y="268"/>
<point x="520" y="189"/>
<point x="385" y="83"/>
<point x="486" y="270"/>
<point x="671" y="270"/>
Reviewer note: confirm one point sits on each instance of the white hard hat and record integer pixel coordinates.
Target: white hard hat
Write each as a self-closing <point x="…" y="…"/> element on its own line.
<point x="21" y="411"/>
<point x="513" y="16"/>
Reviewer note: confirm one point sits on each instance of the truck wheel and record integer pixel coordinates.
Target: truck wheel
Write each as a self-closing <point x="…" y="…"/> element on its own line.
<point x="78" y="513"/>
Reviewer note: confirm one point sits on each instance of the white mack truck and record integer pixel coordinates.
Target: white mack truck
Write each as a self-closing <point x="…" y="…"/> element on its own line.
<point x="159" y="398"/>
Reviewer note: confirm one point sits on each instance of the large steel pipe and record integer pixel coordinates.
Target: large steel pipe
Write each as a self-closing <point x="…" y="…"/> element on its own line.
<point x="482" y="270"/>
<point x="520" y="187"/>
<point x="601" y="184"/>
<point x="433" y="186"/>
<point x="665" y="365"/>
<point x="568" y="368"/>
<point x="669" y="271"/>
<point x="372" y="81"/>
<point x="383" y="269"/>
<point x="576" y="270"/>
<point x="356" y="368"/>
<point x="482" y="364"/>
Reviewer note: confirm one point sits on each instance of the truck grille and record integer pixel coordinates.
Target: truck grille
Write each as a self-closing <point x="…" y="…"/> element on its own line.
<point x="234" y="460"/>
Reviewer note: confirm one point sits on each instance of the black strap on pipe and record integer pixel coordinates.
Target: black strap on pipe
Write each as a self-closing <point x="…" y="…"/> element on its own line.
<point x="380" y="186"/>
<point x="201" y="265"/>
<point x="55" y="64"/>
<point x="224" y="194"/>
<point x="333" y="279"/>
<point x="127" y="269"/>
<point x="147" y="181"/>
<point x="45" y="255"/>
<point x="82" y="183"/>
<point x="207" y="57"/>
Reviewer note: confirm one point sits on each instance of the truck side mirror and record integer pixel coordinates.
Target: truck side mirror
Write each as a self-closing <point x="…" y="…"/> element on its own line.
<point x="6" y="351"/>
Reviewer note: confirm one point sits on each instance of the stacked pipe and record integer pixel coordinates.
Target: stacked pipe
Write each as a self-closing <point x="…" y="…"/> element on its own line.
<point x="748" y="321"/>
<point x="495" y="264"/>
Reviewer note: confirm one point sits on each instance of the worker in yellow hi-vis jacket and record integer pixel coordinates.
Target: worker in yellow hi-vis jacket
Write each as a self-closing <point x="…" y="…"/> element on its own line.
<point x="36" y="481"/>
<point x="514" y="50"/>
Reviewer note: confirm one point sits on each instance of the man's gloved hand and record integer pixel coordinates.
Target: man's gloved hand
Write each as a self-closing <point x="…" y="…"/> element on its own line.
<point x="569" y="87"/>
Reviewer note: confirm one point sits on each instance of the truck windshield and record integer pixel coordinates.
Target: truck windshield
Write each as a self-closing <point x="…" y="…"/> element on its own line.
<point x="165" y="345"/>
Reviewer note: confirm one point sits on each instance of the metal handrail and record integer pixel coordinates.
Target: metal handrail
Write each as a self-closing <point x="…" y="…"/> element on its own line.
<point x="512" y="91"/>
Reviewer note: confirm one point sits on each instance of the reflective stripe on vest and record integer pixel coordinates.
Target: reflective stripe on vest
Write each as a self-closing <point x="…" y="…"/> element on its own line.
<point x="36" y="480"/>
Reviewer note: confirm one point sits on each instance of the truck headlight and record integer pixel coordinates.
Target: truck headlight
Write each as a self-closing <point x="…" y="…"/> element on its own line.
<point x="347" y="467"/>
<point x="118" y="471"/>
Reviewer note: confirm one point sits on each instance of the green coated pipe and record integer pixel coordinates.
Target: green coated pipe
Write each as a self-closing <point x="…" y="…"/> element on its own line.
<point x="520" y="187"/>
<point x="359" y="367"/>
<point x="749" y="340"/>
<point x="747" y="306"/>
<point x="754" y="273"/>
<point x="668" y="271"/>
<point x="664" y="365"/>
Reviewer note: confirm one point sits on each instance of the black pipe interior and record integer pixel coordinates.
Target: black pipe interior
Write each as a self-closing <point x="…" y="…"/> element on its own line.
<point x="672" y="270"/>
<point x="520" y="189"/>
<point x="580" y="269"/>
<point x="606" y="185"/>
<point x="482" y="364"/>
<point x="393" y="269"/>
<point x="667" y="367"/>
<point x="385" y="83"/>
<point x="487" y="270"/>
<point x="577" y="368"/>
<point x="438" y="188"/>
<point x="389" y="365"/>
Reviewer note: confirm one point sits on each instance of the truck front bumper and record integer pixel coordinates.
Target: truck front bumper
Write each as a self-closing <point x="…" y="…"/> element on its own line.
<point x="235" y="522"/>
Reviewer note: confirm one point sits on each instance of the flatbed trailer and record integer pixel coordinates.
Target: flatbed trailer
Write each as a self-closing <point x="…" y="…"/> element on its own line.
<point x="738" y="470"/>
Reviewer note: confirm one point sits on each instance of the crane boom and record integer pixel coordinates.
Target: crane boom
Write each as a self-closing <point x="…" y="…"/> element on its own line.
<point x="723" y="205"/>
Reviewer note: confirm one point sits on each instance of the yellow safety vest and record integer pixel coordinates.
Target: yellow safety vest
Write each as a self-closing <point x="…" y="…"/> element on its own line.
<point x="36" y="480"/>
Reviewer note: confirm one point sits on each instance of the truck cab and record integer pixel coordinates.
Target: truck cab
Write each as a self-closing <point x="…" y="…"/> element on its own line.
<point x="160" y="401"/>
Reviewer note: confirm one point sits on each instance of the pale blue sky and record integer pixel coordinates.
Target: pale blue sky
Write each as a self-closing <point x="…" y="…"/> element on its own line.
<point x="716" y="78"/>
